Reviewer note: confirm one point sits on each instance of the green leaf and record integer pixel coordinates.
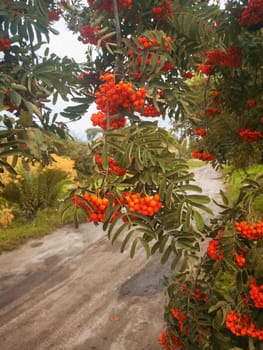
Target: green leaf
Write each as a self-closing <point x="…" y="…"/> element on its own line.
<point x="166" y="254"/>
<point x="126" y="240"/>
<point x="168" y="195"/>
<point x="8" y="167"/>
<point x="187" y="219"/>
<point x="224" y="197"/>
<point x="162" y="188"/>
<point x="176" y="259"/>
<point x="198" y="199"/>
<point x="76" y="219"/>
<point x="32" y="108"/>
<point x="133" y="248"/>
<point x="199" y="220"/>
<point x="119" y="231"/>
<point x="18" y="87"/>
<point x="15" y="98"/>
<point x="217" y="306"/>
<point x="189" y="187"/>
<point x="110" y="212"/>
<point x="146" y="247"/>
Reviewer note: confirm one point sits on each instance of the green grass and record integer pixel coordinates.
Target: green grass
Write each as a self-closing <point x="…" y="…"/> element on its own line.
<point x="235" y="178"/>
<point x="195" y="163"/>
<point x="45" y="222"/>
<point x="19" y="231"/>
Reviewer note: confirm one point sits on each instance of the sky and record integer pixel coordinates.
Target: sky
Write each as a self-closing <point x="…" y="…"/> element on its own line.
<point x="67" y="44"/>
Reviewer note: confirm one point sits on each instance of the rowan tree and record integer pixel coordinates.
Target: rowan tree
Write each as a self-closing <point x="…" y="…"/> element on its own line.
<point x="150" y="58"/>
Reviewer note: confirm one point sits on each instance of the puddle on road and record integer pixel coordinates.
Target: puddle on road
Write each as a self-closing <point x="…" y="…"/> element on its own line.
<point x="148" y="281"/>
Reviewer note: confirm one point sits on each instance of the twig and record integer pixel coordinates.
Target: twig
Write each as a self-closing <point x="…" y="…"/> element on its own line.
<point x="118" y="35"/>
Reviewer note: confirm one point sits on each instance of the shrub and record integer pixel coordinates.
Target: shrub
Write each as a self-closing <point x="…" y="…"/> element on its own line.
<point x="36" y="190"/>
<point x="6" y="213"/>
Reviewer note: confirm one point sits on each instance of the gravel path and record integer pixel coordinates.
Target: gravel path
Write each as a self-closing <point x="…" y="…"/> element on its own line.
<point x="73" y="291"/>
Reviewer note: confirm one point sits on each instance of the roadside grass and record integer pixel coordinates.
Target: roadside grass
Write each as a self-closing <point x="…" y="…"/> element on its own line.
<point x="234" y="181"/>
<point x="195" y="163"/>
<point x="45" y="223"/>
<point x="19" y="231"/>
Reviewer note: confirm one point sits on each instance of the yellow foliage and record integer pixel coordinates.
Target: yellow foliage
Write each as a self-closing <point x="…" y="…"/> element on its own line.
<point x="62" y="163"/>
<point x="6" y="215"/>
<point x="65" y="164"/>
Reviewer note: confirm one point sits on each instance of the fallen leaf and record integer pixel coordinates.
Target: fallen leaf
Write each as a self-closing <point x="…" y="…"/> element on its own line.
<point x="115" y="318"/>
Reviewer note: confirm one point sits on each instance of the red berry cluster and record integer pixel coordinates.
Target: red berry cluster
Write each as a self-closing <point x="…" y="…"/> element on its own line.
<point x="256" y="293"/>
<point x="206" y="69"/>
<point x="106" y="5"/>
<point x="252" y="14"/>
<point x="99" y="206"/>
<point x="205" y="156"/>
<point x="112" y="164"/>
<point x="100" y="119"/>
<point x="240" y="258"/>
<point x="162" y="11"/>
<point x="215" y="254"/>
<point x="216" y="93"/>
<point x="147" y="205"/>
<point x="250" y="135"/>
<point x="149" y="110"/>
<point x="184" y="322"/>
<point x="180" y="317"/>
<point x="210" y="111"/>
<point x="249" y="231"/>
<point x="216" y="98"/>
<point x="4" y="44"/>
<point x="231" y="58"/>
<point x="170" y="342"/>
<point x="200" y="296"/>
<point x="89" y="34"/>
<point x="196" y="293"/>
<point x="54" y="15"/>
<point x="242" y="325"/>
<point x="113" y="98"/>
<point x="213" y="250"/>
<point x="200" y="132"/>
<point x="251" y="102"/>
<point x="188" y="75"/>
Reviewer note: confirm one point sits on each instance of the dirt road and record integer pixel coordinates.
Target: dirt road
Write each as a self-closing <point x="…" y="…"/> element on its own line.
<point x="73" y="291"/>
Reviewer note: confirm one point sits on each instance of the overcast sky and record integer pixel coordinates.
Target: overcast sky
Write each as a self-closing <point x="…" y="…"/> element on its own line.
<point x="67" y="44"/>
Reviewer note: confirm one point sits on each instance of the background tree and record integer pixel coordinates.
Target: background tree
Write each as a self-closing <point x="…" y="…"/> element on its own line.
<point x="30" y="79"/>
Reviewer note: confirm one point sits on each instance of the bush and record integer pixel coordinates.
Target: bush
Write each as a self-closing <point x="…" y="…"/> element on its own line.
<point x="35" y="190"/>
<point x="7" y="215"/>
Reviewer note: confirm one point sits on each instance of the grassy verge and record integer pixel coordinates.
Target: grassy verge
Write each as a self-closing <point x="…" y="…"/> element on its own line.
<point x="235" y="178"/>
<point x="46" y="222"/>
<point x="195" y="163"/>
